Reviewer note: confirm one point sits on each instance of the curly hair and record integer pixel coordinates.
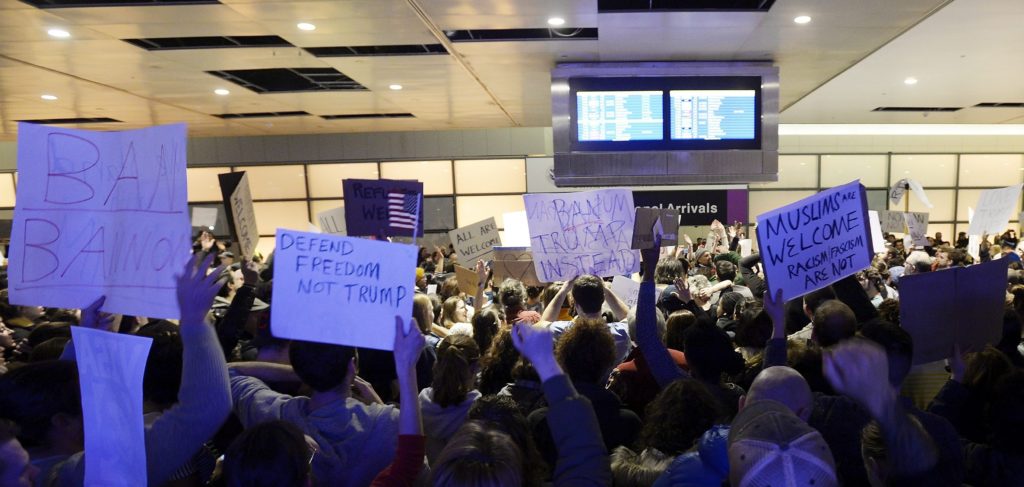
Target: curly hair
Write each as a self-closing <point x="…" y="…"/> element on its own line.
<point x="667" y="270"/>
<point x="586" y="350"/>
<point x="678" y="416"/>
<point x="496" y="365"/>
<point x="512" y="296"/>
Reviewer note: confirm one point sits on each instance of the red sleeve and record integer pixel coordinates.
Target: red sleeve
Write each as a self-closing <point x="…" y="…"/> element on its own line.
<point x="407" y="463"/>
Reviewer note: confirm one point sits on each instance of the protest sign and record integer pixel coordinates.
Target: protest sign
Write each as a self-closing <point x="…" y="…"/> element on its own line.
<point x="332" y="221"/>
<point x="626" y="289"/>
<point x="515" y="263"/>
<point x="100" y="213"/>
<point x="961" y="305"/>
<point x="341" y="290"/>
<point x="234" y="188"/>
<point x="917" y="228"/>
<point x="895" y="221"/>
<point x="383" y="207"/>
<point x="431" y="288"/>
<point x="994" y="209"/>
<point x="896" y="192"/>
<point x="517" y="231"/>
<point x="919" y="192"/>
<point x="311" y="228"/>
<point x="644" y="223"/>
<point x="746" y="247"/>
<point x="203" y="216"/>
<point x="474" y="242"/>
<point x="467" y="280"/>
<point x="589" y="232"/>
<point x="816" y="241"/>
<point x="877" y="241"/>
<point x="110" y="370"/>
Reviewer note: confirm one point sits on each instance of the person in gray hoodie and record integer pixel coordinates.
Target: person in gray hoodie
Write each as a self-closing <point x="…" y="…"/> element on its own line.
<point x="446" y="402"/>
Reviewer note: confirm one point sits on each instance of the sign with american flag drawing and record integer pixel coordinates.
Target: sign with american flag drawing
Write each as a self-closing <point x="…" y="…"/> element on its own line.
<point x="383" y="207"/>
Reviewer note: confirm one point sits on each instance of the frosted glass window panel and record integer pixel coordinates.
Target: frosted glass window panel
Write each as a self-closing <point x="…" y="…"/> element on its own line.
<point x="276" y="182"/>
<point x="471" y="209"/>
<point x="271" y="215"/>
<point x="795" y="171"/>
<point x="765" y="201"/>
<point x="203" y="184"/>
<point x="325" y="179"/>
<point x="318" y="206"/>
<point x="6" y="189"/>
<point x="220" y="227"/>
<point x="931" y="170"/>
<point x="969" y="199"/>
<point x="941" y="199"/>
<point x="490" y="176"/>
<point x="877" y="199"/>
<point x="265" y="246"/>
<point x="840" y="169"/>
<point x="436" y="176"/>
<point x="439" y="214"/>
<point x="991" y="170"/>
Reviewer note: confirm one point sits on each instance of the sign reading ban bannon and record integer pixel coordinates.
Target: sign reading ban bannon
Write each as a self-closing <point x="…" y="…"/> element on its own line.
<point x="816" y="241"/>
<point x="341" y="290"/>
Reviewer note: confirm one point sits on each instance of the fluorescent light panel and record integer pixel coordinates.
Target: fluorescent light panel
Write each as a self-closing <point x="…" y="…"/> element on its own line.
<point x="900" y="129"/>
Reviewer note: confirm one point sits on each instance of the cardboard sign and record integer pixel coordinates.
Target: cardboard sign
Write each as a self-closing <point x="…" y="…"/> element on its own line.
<point x="917" y="228"/>
<point x="589" y="232"/>
<point x="474" y="242"/>
<point x="643" y="224"/>
<point x="234" y="187"/>
<point x="467" y="280"/>
<point x="962" y="305"/>
<point x="383" y="207"/>
<point x="100" y="213"/>
<point x="877" y="240"/>
<point x="816" y="241"/>
<point x="896" y="192"/>
<point x="994" y="209"/>
<point x="332" y="221"/>
<point x="204" y="217"/>
<point x="515" y="263"/>
<point x="341" y="290"/>
<point x="895" y="222"/>
<point x="110" y="369"/>
<point x="517" y="231"/>
<point x="626" y="289"/>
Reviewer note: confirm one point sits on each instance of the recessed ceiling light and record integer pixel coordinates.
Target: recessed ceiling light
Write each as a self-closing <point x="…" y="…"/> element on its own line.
<point x="48" y="97"/>
<point x="556" y="21"/>
<point x="59" y="33"/>
<point x="395" y="87"/>
<point x="803" y="19"/>
<point x="222" y="92"/>
<point x="305" y="26"/>
<point x="910" y="81"/>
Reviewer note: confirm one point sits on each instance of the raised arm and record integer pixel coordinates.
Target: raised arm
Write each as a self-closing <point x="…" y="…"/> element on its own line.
<point x="655" y="353"/>
<point x="481" y="284"/>
<point x="554" y="307"/>
<point x="775" y="349"/>
<point x="412" y="444"/>
<point x="615" y="304"/>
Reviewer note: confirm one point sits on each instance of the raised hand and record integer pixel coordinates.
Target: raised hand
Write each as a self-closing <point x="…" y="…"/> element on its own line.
<point x="537" y="345"/>
<point x="408" y="345"/>
<point x="649" y="257"/>
<point x="95" y="319"/>
<point x="363" y="392"/>
<point x="859" y="369"/>
<point x="196" y="289"/>
<point x="682" y="292"/>
<point x="481" y="272"/>
<point x="776" y="309"/>
<point x="206" y="241"/>
<point x="250" y="272"/>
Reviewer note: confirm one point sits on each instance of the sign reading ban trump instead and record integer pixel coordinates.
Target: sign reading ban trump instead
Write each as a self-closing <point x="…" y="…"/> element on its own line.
<point x="589" y="232"/>
<point x="816" y="241"/>
<point x="341" y="290"/>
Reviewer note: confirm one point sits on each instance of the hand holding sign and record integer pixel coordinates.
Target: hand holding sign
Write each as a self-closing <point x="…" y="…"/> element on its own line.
<point x="95" y="319"/>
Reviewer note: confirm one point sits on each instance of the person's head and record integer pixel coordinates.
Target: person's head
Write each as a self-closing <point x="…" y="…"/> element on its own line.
<point x="938" y="236"/>
<point x="485" y="327"/>
<point x="984" y="369"/>
<point x="727" y="304"/>
<point x="942" y="256"/>
<point x="1006" y="247"/>
<point x="633" y="469"/>
<point x="833" y="322"/>
<point x="512" y="296"/>
<point x="709" y="353"/>
<point x="322" y="366"/>
<point x="421" y="278"/>
<point x="659" y="320"/>
<point x="675" y="329"/>
<point x="423" y="311"/>
<point x="814" y="299"/>
<point x="10" y="311"/>
<point x="15" y="468"/>
<point x="43" y="399"/>
<point x="703" y="257"/>
<point x="588" y="294"/>
<point x="503" y="414"/>
<point x="753" y="327"/>
<point x="478" y="456"/>
<point x="898" y="345"/>
<point x="549" y="292"/>
<point x="270" y="454"/>
<point x="226" y="258"/>
<point x="586" y="351"/>
<point x="449" y="289"/>
<point x="784" y="385"/>
<point x="898" y="245"/>
<point x="454" y="311"/>
<point x="958" y="257"/>
<point x="458" y="359"/>
<point x="667" y="270"/>
<point x="496" y="365"/>
<point x="162" y="377"/>
<point x="676" y="418"/>
<point x="1011" y="330"/>
<point x="769" y="445"/>
<point x="726" y="270"/>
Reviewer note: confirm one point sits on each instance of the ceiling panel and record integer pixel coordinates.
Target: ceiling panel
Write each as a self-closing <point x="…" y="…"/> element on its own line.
<point x="506" y="14"/>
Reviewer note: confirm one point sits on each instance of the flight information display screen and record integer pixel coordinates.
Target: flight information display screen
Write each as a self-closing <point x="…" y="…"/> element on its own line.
<point x="712" y="114"/>
<point x="614" y="116"/>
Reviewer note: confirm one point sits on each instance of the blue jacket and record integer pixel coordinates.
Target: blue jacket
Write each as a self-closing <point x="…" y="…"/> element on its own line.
<point x="708" y="466"/>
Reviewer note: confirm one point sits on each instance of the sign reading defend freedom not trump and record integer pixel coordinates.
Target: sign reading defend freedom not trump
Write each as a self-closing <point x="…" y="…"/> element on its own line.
<point x="589" y="232"/>
<point x="341" y="290"/>
<point x="816" y="241"/>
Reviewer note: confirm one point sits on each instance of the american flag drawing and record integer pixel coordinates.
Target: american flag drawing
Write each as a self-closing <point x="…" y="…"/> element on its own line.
<point x="403" y="209"/>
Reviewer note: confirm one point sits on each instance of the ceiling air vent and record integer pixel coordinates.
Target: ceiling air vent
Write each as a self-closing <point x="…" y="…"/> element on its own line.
<point x="113" y="3"/>
<point x="285" y="80"/>
<point x="1000" y="105"/>
<point x="71" y="121"/>
<point x="262" y="115"/>
<point x="176" y="43"/>
<point x="917" y="109"/>
<point x="350" y="116"/>
<point x="618" y="6"/>
<point x="394" y="50"/>
<point x="504" y="35"/>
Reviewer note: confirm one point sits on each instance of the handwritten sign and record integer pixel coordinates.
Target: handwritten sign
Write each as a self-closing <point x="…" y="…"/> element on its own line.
<point x="746" y="247"/>
<point x="234" y="187"/>
<point x="589" y="232"/>
<point x="626" y="289"/>
<point x="341" y="290"/>
<point x="962" y="305"/>
<point x="332" y="221"/>
<point x="474" y="242"/>
<point x="110" y="369"/>
<point x="896" y="192"/>
<point x="100" y="213"/>
<point x="877" y="241"/>
<point x="816" y="241"/>
<point x="895" y="221"/>
<point x="644" y="222"/>
<point x="994" y="209"/>
<point x="514" y="263"/>
<point x="517" y="230"/>
<point x="917" y="228"/>
<point x="204" y="217"/>
<point x="467" y="280"/>
<point x="919" y="192"/>
<point x="383" y="207"/>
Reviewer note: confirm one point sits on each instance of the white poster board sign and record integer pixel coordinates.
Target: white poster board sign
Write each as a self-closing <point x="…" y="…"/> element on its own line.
<point x="234" y="187"/>
<point x="917" y="228"/>
<point x="877" y="241"/>
<point x="994" y="209"/>
<point x="517" y="231"/>
<point x="332" y="221"/>
<point x="475" y="241"/>
<point x="626" y="289"/>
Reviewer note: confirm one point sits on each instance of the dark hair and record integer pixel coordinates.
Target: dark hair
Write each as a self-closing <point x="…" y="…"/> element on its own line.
<point x="889" y="310"/>
<point x="512" y="296"/>
<point x="834" y="322"/>
<point x="478" y="456"/>
<point x="675" y="328"/>
<point x="549" y="292"/>
<point x="162" y="377"/>
<point x="502" y="413"/>
<point x="753" y="327"/>
<point x="726" y="270"/>
<point x="270" y="454"/>
<point x="457" y="357"/>
<point x="45" y="331"/>
<point x="728" y="301"/>
<point x="7" y="310"/>
<point x="667" y="270"/>
<point x="496" y="365"/>
<point x="678" y="416"/>
<point x="709" y="353"/>
<point x="1011" y="330"/>
<point x="588" y="293"/>
<point x="31" y="395"/>
<point x="814" y="299"/>
<point x="957" y="257"/>
<point x="898" y="345"/>
<point x="587" y="351"/>
<point x="321" y="366"/>
<point x="1006" y="413"/>
<point x="984" y="369"/>
<point x="485" y="327"/>
<point x="51" y="349"/>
